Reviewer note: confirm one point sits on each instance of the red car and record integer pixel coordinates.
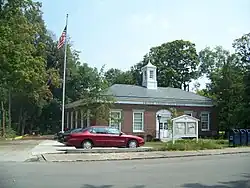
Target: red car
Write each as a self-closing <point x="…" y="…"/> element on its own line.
<point x="103" y="136"/>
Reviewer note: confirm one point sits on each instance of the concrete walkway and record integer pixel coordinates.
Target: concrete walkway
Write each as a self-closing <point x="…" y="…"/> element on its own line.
<point x="49" y="146"/>
<point x="139" y="155"/>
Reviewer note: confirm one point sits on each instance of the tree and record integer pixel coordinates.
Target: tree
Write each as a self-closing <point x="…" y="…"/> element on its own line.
<point x="116" y="76"/>
<point x="176" y="63"/>
<point x="212" y="60"/>
<point x="88" y="85"/>
<point x="23" y="66"/>
<point x="225" y="72"/>
<point x="31" y="68"/>
<point x="242" y="48"/>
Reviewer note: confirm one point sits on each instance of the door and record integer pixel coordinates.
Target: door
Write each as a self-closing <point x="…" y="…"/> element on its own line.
<point x="99" y="136"/>
<point x="114" y="139"/>
<point x="164" y="129"/>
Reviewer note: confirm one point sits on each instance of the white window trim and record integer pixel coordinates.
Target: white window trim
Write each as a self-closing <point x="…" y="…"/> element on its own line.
<point x="116" y="111"/>
<point x="139" y="111"/>
<point x="208" y="127"/>
<point x="188" y="112"/>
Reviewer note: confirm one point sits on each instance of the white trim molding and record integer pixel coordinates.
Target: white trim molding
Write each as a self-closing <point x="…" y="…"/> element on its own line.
<point x="71" y="119"/>
<point x="142" y="121"/>
<point x="163" y="103"/>
<point x="82" y="117"/>
<point x="208" y="121"/>
<point x="67" y="121"/>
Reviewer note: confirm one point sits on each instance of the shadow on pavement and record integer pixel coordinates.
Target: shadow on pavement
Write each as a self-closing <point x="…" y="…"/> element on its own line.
<point x="99" y="186"/>
<point x="245" y="183"/>
<point x="108" y="186"/>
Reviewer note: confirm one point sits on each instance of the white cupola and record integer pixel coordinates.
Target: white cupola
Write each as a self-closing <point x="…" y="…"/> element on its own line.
<point x="149" y="79"/>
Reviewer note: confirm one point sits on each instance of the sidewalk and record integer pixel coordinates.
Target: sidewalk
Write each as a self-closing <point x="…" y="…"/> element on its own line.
<point x="81" y="157"/>
<point x="49" y="146"/>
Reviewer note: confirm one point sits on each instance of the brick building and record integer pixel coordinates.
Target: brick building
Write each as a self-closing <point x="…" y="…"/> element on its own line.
<point x="137" y="108"/>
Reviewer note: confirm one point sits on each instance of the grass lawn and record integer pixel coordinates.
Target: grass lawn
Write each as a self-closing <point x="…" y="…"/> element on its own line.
<point x="185" y="145"/>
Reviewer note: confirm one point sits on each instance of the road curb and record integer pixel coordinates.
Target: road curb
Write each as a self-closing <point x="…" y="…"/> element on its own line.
<point x="112" y="150"/>
<point x="36" y="158"/>
<point x="32" y="159"/>
<point x="151" y="157"/>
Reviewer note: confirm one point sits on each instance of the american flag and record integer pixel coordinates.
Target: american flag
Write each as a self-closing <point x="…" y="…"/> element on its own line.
<point x="62" y="39"/>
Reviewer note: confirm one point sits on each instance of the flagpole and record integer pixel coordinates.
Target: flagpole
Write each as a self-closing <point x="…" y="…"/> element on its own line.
<point x="64" y="74"/>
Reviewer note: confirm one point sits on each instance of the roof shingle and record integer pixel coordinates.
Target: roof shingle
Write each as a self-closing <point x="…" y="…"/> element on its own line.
<point x="161" y="94"/>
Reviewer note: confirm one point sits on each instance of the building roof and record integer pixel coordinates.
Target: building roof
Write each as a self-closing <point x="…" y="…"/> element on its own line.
<point x="149" y="65"/>
<point x="133" y="94"/>
<point x="185" y="116"/>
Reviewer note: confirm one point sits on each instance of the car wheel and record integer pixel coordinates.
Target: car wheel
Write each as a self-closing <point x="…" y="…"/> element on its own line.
<point x="132" y="144"/>
<point x="87" y="144"/>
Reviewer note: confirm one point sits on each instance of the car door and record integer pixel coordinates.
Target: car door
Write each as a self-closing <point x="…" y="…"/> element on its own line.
<point x="99" y="136"/>
<point x="114" y="138"/>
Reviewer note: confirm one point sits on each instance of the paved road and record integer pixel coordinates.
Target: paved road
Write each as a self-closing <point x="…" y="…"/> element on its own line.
<point x="196" y="172"/>
<point x="18" y="150"/>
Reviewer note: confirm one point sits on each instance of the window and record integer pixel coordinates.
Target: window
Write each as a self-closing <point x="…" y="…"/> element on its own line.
<point x="189" y="113"/>
<point x="151" y="74"/>
<point x="191" y="128"/>
<point x="138" y="121"/>
<point x="115" y="119"/>
<point x="164" y="126"/>
<point x="113" y="131"/>
<point x="180" y="128"/>
<point x="205" y="121"/>
<point x="77" y="130"/>
<point x="98" y="130"/>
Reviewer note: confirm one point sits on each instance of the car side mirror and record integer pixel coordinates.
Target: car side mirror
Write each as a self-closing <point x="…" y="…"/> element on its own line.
<point x="120" y="133"/>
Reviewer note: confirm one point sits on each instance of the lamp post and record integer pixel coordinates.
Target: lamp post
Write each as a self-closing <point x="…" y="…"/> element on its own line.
<point x="159" y="125"/>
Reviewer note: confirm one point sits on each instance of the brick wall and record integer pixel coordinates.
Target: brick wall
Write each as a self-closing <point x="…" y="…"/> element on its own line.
<point x="150" y="118"/>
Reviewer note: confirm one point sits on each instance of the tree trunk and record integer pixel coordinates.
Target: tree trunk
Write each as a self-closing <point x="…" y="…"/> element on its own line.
<point x="184" y="86"/>
<point x="9" y="110"/>
<point x="23" y="123"/>
<point x="3" y="118"/>
<point x="20" y="120"/>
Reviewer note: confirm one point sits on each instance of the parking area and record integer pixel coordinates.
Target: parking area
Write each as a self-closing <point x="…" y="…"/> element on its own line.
<point x="16" y="150"/>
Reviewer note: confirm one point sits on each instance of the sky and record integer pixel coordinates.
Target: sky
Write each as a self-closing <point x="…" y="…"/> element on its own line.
<point x="118" y="33"/>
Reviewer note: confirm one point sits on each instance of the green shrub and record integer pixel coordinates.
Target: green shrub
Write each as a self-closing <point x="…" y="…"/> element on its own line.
<point x="186" y="145"/>
<point x="10" y="133"/>
<point x="221" y="141"/>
